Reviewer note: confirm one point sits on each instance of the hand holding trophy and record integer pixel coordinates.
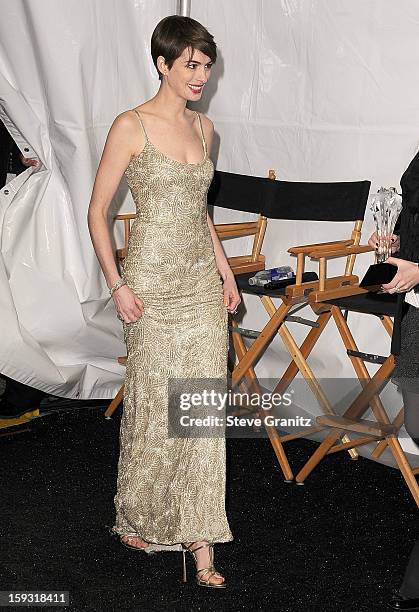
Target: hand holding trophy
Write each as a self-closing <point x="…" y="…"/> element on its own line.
<point x="386" y="205"/>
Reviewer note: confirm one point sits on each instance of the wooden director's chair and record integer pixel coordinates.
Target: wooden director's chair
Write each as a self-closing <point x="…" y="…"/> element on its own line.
<point x="332" y="202"/>
<point x="247" y="263"/>
<point x="381" y="431"/>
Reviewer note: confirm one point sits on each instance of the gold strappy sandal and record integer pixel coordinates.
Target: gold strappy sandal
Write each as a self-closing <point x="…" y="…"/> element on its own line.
<point x="211" y="571"/>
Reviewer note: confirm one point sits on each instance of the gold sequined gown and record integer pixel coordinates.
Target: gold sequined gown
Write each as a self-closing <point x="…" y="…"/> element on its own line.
<point x="171" y="490"/>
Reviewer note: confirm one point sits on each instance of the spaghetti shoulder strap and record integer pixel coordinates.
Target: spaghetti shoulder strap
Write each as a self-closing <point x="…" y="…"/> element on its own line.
<point x="202" y="132"/>
<point x="141" y="122"/>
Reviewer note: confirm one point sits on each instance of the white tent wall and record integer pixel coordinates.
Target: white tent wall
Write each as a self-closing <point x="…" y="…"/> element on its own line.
<point x="67" y="68"/>
<point x="318" y="90"/>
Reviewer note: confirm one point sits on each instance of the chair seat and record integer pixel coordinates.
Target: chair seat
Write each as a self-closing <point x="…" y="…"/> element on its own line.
<point x="368" y="303"/>
<point x="242" y="281"/>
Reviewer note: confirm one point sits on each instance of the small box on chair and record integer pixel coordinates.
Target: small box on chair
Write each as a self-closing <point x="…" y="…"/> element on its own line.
<point x="377" y="275"/>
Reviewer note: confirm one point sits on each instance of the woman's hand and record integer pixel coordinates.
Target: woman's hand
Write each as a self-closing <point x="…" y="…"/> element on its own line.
<point x="231" y="295"/>
<point x="128" y="305"/>
<point x="407" y="276"/>
<point x="395" y="242"/>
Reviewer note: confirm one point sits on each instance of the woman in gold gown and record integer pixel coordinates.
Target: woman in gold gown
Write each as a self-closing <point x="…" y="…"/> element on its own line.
<point x="173" y="299"/>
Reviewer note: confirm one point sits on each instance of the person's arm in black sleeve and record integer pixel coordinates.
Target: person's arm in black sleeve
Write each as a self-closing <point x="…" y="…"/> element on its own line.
<point x="396" y="232"/>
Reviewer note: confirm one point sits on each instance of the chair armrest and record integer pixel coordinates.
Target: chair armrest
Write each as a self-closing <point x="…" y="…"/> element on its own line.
<point x="329" y="246"/>
<point x="351" y="250"/>
<point x="126" y="218"/>
<point x="123" y="216"/>
<point x="236" y="230"/>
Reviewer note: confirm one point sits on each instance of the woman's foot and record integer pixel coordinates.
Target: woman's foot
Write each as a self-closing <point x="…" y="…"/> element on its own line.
<point x="134" y="542"/>
<point x="203" y="554"/>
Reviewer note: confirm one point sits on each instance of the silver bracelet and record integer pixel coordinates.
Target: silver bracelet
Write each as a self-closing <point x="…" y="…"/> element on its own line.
<point x="119" y="283"/>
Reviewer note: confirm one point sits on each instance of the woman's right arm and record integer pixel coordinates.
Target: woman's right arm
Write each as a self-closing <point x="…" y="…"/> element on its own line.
<point x="116" y="155"/>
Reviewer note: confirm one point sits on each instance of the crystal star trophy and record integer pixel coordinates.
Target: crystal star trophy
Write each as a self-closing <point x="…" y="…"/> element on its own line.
<point x="386" y="205"/>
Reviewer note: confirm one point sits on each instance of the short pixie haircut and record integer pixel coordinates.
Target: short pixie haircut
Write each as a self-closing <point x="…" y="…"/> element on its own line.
<point x="173" y="34"/>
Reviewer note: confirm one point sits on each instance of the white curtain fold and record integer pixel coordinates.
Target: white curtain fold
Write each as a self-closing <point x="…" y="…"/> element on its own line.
<point x="66" y="70"/>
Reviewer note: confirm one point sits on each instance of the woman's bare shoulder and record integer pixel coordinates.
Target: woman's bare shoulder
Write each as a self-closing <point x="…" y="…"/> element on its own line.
<point x="208" y="129"/>
<point x="144" y="109"/>
<point x="127" y="126"/>
<point x="125" y="120"/>
<point x="207" y="124"/>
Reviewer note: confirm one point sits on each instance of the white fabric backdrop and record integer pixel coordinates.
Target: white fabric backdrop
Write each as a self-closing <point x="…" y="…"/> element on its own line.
<point x="67" y="68"/>
<point x="318" y="90"/>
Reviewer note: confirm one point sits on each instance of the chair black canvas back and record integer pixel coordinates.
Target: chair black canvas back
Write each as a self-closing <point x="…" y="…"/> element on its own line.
<point x="238" y="191"/>
<point x="342" y="201"/>
<point x="339" y="201"/>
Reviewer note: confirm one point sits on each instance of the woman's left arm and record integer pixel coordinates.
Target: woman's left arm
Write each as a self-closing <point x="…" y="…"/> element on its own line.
<point x="407" y="276"/>
<point x="231" y="295"/>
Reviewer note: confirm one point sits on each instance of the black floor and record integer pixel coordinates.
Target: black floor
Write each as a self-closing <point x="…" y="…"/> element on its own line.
<point x="340" y="543"/>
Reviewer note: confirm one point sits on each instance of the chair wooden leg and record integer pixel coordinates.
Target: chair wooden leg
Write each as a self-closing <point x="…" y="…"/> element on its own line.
<point x="405" y="467"/>
<point x="298" y="358"/>
<point x="250" y="357"/>
<point x="115" y="403"/>
<point x="381" y="446"/>
<point x="353" y="443"/>
<point x="317" y="456"/>
<point x="252" y="381"/>
<point x="374" y="387"/>
<point x="358" y="364"/>
<point x="388" y="325"/>
<point x="368" y="396"/>
<point x="241" y="350"/>
<point x="304" y="368"/>
<point x="276" y="442"/>
<point x="305" y="350"/>
<point x="364" y="376"/>
<point x="355" y="410"/>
